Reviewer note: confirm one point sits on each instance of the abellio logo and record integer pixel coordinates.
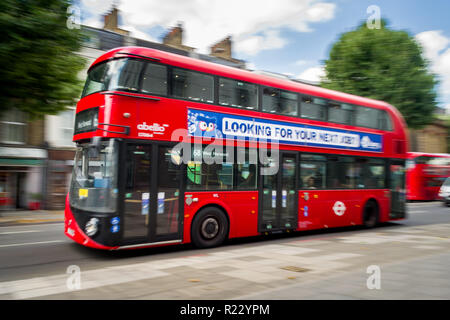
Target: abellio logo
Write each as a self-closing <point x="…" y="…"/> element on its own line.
<point x="154" y="127"/>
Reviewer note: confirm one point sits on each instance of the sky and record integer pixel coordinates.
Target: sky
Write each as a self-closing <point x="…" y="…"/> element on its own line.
<point x="291" y="37"/>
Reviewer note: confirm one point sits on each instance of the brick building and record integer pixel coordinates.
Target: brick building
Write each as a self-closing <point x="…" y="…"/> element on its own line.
<point x="431" y="139"/>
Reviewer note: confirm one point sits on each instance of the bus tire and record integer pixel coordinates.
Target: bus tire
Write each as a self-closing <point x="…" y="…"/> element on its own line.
<point x="370" y="214"/>
<point x="209" y="228"/>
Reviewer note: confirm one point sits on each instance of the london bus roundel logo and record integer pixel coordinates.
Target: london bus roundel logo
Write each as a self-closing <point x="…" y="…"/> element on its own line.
<point x="339" y="208"/>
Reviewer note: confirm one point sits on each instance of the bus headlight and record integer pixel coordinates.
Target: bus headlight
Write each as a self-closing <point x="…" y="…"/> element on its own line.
<point x="91" y="227"/>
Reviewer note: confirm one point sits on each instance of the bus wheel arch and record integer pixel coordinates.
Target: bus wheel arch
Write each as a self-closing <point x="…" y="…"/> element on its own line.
<point x="210" y="226"/>
<point x="371" y="213"/>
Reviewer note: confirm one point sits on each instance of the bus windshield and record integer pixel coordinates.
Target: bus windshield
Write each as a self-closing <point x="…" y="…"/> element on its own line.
<point x="120" y="74"/>
<point x="94" y="177"/>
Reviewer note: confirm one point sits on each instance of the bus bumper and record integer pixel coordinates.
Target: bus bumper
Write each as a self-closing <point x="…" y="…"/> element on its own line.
<point x="74" y="232"/>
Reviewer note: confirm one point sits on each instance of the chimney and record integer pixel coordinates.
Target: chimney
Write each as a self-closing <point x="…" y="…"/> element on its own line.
<point x="175" y="36"/>
<point x="111" y="20"/>
<point x="222" y="49"/>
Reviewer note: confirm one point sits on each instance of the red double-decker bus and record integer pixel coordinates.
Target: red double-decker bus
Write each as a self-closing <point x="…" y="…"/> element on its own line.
<point x="425" y="174"/>
<point x="287" y="156"/>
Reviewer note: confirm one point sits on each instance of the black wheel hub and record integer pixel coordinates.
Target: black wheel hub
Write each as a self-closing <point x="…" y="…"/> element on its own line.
<point x="209" y="228"/>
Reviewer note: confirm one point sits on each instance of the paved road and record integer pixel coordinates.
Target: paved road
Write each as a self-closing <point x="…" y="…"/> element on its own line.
<point x="34" y="260"/>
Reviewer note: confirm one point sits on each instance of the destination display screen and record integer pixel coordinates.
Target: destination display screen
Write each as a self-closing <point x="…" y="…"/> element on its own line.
<point x="86" y="121"/>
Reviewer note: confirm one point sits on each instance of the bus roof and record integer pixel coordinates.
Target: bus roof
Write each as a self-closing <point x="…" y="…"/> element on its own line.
<point x="244" y="75"/>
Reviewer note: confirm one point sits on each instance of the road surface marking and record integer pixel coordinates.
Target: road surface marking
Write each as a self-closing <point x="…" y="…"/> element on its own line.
<point x="29" y="243"/>
<point x="15" y="232"/>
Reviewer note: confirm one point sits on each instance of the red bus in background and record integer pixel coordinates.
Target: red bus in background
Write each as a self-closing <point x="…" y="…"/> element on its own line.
<point x="425" y="174"/>
<point x="287" y="156"/>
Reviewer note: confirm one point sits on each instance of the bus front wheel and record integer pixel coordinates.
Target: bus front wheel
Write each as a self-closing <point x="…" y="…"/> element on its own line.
<point x="209" y="228"/>
<point x="370" y="216"/>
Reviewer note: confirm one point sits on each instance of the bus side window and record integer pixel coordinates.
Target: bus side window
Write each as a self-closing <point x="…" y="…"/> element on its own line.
<point x="192" y="85"/>
<point x="238" y="94"/>
<point x="340" y="112"/>
<point x="155" y="79"/>
<point x="342" y="173"/>
<point x="384" y="121"/>
<point x="376" y="173"/>
<point x="213" y="176"/>
<point x="126" y="76"/>
<point x="279" y="101"/>
<point x="312" y="172"/>
<point x="246" y="169"/>
<point x="312" y="108"/>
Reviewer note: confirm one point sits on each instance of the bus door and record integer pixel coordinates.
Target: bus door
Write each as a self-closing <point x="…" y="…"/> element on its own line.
<point x="278" y="195"/>
<point x="151" y="194"/>
<point x="397" y="186"/>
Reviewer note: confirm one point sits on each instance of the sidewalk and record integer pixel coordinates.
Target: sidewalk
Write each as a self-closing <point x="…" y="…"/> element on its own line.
<point x="413" y="264"/>
<point x="16" y="217"/>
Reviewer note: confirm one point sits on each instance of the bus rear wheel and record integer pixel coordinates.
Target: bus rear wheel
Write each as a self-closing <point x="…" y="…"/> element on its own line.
<point x="370" y="215"/>
<point x="209" y="228"/>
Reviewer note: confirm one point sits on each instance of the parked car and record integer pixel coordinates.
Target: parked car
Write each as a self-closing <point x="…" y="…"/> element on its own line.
<point x="444" y="192"/>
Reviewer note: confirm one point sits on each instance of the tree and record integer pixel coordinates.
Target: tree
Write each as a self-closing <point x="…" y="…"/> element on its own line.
<point x="387" y="65"/>
<point x="39" y="70"/>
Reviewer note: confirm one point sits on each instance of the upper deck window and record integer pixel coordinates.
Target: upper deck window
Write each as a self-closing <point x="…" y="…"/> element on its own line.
<point x="279" y="101"/>
<point x="238" y="94"/>
<point x="95" y="80"/>
<point x="372" y="118"/>
<point x="155" y="79"/>
<point x="192" y="85"/>
<point x="340" y="113"/>
<point x="123" y="74"/>
<point x="367" y="117"/>
<point x="384" y="121"/>
<point x="313" y="108"/>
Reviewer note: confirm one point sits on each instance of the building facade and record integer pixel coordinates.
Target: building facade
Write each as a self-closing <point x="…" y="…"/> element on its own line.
<point x="23" y="159"/>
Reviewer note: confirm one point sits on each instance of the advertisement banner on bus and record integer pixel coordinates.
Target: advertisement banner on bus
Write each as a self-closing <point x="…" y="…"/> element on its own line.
<point x="218" y="125"/>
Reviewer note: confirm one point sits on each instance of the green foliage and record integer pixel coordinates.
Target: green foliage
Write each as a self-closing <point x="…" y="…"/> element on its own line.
<point x="387" y="65"/>
<point x="39" y="70"/>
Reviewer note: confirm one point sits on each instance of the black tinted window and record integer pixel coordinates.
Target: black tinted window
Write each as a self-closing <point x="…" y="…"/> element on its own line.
<point x="367" y="117"/>
<point x="340" y="112"/>
<point x="95" y="80"/>
<point x="279" y="101"/>
<point x="313" y="108"/>
<point x="312" y="172"/>
<point x="193" y="85"/>
<point x="246" y="169"/>
<point x="155" y="79"/>
<point x="123" y="74"/>
<point x="209" y="170"/>
<point x="384" y="122"/>
<point x="238" y="94"/>
<point x="342" y="173"/>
